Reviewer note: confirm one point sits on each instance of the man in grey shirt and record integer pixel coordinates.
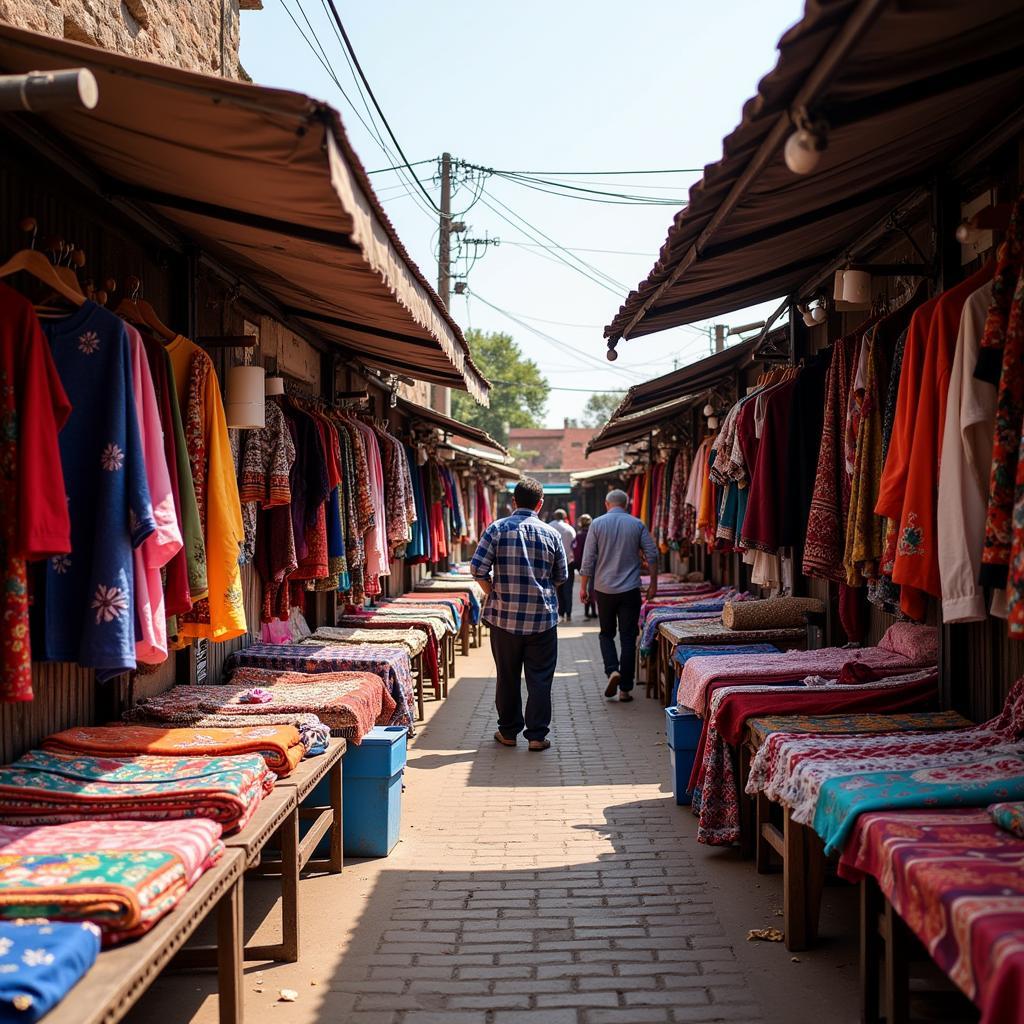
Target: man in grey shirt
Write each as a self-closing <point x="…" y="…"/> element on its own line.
<point x="611" y="565"/>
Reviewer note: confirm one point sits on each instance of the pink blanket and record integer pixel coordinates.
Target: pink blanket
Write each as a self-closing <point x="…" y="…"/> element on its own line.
<point x="904" y="647"/>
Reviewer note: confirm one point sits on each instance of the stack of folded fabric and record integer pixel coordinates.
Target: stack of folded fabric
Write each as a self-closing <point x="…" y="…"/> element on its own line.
<point x="279" y="745"/>
<point x="40" y="962"/>
<point x="349" y="703"/>
<point x="47" y="788"/>
<point x="121" y="875"/>
<point x="413" y="640"/>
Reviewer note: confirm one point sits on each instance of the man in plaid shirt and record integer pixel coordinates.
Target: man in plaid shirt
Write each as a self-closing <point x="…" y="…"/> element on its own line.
<point x="520" y="563"/>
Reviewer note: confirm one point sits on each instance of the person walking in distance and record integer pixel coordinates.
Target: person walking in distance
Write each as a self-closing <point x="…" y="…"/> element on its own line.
<point x="520" y="562"/>
<point x="560" y="524"/>
<point x="611" y="571"/>
<point x="589" y="611"/>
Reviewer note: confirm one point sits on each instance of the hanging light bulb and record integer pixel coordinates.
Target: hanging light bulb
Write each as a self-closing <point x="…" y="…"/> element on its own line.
<point x="804" y="147"/>
<point x="713" y="423"/>
<point x="709" y="410"/>
<point x="819" y="313"/>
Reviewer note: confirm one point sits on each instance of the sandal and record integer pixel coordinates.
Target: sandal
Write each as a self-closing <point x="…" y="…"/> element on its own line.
<point x="504" y="740"/>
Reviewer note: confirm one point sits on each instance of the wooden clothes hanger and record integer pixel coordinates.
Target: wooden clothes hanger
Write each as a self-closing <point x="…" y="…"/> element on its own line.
<point x="35" y="263"/>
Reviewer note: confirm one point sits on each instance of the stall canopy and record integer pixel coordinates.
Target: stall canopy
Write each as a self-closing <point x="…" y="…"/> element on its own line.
<point x="904" y="90"/>
<point x="267" y="183"/>
<point x="451" y="427"/>
<point x="620" y="429"/>
<point x="593" y="475"/>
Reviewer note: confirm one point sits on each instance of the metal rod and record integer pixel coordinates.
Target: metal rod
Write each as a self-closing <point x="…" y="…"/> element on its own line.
<point x="852" y="32"/>
<point x="39" y="91"/>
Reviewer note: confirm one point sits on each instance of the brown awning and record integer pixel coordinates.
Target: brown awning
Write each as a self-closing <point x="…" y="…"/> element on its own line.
<point x="905" y="88"/>
<point x="697" y="377"/>
<point x="620" y="429"/>
<point x="450" y="426"/>
<point x="267" y="183"/>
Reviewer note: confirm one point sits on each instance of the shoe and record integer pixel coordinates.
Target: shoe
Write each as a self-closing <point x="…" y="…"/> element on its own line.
<point x="625" y="698"/>
<point x="613" y="685"/>
<point x="504" y="740"/>
<point x="540" y="744"/>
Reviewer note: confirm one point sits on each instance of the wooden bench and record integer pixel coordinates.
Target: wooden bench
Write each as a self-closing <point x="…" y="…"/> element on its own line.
<point x="121" y="975"/>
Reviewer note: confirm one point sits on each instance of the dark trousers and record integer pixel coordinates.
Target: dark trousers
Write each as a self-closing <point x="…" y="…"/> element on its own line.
<point x="619" y="612"/>
<point x="565" y="592"/>
<point x="515" y="655"/>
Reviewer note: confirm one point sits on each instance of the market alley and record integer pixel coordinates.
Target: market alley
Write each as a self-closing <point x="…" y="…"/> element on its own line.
<point x="555" y="888"/>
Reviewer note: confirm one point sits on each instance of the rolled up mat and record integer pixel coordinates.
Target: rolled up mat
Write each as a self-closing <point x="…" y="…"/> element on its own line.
<point x="773" y="613"/>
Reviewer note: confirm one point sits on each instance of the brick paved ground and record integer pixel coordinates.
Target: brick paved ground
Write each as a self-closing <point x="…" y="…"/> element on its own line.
<point x="555" y="888"/>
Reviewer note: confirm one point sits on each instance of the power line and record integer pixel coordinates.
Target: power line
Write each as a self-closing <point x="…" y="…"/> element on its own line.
<point x="568" y="174"/>
<point x="582" y="391"/>
<point x="402" y="167"/>
<point x="592" y="195"/>
<point x="577" y="248"/>
<point x="377" y="107"/>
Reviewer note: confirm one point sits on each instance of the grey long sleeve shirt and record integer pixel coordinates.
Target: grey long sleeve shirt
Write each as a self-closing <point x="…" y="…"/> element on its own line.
<point x="611" y="556"/>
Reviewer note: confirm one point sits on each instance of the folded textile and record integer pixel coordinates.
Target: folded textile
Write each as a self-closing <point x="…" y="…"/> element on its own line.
<point x="695" y="610"/>
<point x="315" y="738"/>
<point x="122" y="875"/>
<point x="40" y="962"/>
<point x="414" y="640"/>
<point x="349" y="703"/>
<point x="391" y="664"/>
<point x="471" y="590"/>
<point x="256" y="695"/>
<point x="200" y="720"/>
<point x="895" y="654"/>
<point x="732" y="706"/>
<point x="958" y="882"/>
<point x="1009" y="816"/>
<point x="47" y="788"/>
<point x="432" y="629"/>
<point x="712" y="631"/>
<point x="773" y="613"/>
<point x="861" y="724"/>
<point x="684" y="652"/>
<point x="441" y="619"/>
<point x="279" y="745"/>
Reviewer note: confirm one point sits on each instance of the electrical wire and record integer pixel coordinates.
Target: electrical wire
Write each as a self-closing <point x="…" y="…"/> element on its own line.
<point x="591" y="195"/>
<point x="377" y="107"/>
<point x="402" y="167"/>
<point x="572" y="174"/>
<point x="577" y="248"/>
<point x="582" y="391"/>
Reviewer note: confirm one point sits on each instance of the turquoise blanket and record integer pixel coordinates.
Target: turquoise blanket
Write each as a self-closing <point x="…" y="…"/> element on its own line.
<point x="992" y="778"/>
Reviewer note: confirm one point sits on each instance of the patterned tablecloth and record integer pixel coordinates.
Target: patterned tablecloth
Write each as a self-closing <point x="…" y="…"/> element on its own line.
<point x="471" y="589"/>
<point x="958" y="882"/>
<point x="392" y="664"/>
<point x="414" y="640"/>
<point x="714" y="632"/>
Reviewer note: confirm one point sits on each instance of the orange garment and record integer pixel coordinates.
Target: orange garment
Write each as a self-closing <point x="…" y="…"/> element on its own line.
<point x="707" y="520"/>
<point x="279" y="745"/>
<point x="916" y="566"/>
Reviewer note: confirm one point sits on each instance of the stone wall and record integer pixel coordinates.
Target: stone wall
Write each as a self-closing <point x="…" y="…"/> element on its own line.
<point x="199" y="35"/>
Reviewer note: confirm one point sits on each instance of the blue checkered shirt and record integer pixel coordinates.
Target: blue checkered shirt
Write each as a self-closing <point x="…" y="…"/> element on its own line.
<point x="524" y="560"/>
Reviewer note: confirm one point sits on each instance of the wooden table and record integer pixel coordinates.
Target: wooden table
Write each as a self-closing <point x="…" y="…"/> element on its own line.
<point x="120" y="976"/>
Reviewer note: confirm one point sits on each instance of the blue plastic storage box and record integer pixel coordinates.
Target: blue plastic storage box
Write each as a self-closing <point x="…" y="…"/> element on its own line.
<point x="683" y="729"/>
<point x="372" y="792"/>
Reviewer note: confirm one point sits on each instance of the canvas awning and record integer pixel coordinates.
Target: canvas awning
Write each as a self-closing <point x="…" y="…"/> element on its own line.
<point x="592" y="475"/>
<point x="450" y="426"/>
<point x="622" y="428"/>
<point x="906" y="89"/>
<point x="267" y="183"/>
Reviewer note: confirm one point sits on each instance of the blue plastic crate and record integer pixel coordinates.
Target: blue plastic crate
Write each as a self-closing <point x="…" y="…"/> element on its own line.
<point x="682" y="728"/>
<point x="373" y="815"/>
<point x="682" y="766"/>
<point x="380" y="755"/>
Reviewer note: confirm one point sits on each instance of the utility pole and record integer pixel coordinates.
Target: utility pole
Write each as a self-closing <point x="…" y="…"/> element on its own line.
<point x="721" y="330"/>
<point x="441" y="399"/>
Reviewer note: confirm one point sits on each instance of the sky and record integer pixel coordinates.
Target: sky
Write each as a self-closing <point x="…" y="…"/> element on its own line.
<point x="550" y="87"/>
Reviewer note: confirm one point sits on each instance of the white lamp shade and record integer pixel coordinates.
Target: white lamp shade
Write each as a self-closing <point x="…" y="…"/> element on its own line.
<point x="244" y="404"/>
<point x="273" y="386"/>
<point x="837" y="285"/>
<point x="857" y="288"/>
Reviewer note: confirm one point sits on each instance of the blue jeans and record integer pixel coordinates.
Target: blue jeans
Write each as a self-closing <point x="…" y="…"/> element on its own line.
<point x="514" y="655"/>
<point x="619" y="612"/>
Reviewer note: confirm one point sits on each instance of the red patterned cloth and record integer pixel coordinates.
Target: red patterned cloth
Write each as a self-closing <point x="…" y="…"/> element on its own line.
<point x="957" y="880"/>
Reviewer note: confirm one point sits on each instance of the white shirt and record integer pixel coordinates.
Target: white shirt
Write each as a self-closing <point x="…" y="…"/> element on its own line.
<point x="964" y="465"/>
<point x="567" y="533"/>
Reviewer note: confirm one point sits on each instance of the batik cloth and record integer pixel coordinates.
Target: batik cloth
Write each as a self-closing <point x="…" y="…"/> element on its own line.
<point x="391" y="664"/>
<point x="40" y="962"/>
<point x="122" y="875"/>
<point x="433" y="630"/>
<point x="958" y="882"/>
<point x="413" y="640"/>
<point x="1009" y="817"/>
<point x="279" y="745"/>
<point x="714" y="772"/>
<point x="351" y="703"/>
<point x="693" y="611"/>
<point x="712" y="632"/>
<point x="458" y="605"/>
<point x="684" y="652"/>
<point x="84" y="602"/>
<point x="470" y="589"/>
<point x="45" y="788"/>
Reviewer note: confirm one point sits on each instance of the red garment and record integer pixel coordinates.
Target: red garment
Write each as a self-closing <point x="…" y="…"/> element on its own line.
<point x="916" y="568"/>
<point x="35" y="523"/>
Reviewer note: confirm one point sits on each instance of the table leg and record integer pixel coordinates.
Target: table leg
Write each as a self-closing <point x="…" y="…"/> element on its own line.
<point x="814" y="859"/>
<point x="229" y="955"/>
<point x="762" y="848"/>
<point x="337" y="832"/>
<point x="421" y="682"/>
<point x="897" y="968"/>
<point x="464" y="634"/>
<point x="794" y="885"/>
<point x="870" y="950"/>
<point x="746" y="804"/>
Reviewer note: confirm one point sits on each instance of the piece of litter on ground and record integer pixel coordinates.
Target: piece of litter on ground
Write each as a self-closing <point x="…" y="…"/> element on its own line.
<point x="794" y="959"/>
<point x="764" y="935"/>
<point x="778" y="913"/>
<point x="312" y="983"/>
<point x="287" y="995"/>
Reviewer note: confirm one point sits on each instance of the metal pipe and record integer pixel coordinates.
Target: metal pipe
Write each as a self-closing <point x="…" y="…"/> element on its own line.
<point x="818" y="79"/>
<point x="39" y="91"/>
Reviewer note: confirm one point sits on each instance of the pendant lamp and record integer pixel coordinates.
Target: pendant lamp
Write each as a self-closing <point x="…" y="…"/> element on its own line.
<point x="244" y="404"/>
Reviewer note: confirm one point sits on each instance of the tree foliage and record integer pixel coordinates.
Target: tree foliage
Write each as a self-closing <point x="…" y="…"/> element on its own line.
<point x="600" y="407"/>
<point x="519" y="391"/>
